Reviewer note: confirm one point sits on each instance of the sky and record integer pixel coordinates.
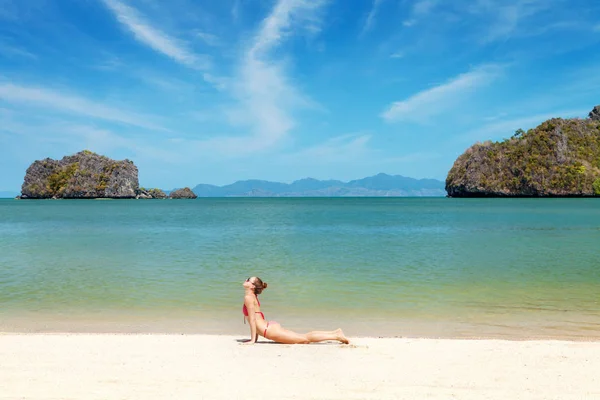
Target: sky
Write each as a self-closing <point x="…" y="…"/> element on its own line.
<point x="206" y="91"/>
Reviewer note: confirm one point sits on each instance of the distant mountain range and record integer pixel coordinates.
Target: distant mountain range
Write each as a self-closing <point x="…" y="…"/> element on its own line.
<point x="380" y="185"/>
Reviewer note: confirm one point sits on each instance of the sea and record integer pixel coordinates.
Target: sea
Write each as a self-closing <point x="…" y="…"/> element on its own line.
<point x="382" y="267"/>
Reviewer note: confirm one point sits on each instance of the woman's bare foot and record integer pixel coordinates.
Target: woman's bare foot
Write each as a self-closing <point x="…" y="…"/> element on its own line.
<point x="341" y="337"/>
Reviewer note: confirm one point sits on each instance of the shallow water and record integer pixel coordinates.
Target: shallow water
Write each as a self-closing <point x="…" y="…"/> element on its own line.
<point x="376" y="266"/>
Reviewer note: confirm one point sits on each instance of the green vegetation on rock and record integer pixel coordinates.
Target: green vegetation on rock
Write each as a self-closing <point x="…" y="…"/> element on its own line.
<point x="157" y="193"/>
<point x="596" y="186"/>
<point x="151" y="193"/>
<point x="58" y="181"/>
<point x="560" y="157"/>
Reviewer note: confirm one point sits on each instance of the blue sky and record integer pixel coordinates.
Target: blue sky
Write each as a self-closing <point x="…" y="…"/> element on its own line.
<point x="199" y="91"/>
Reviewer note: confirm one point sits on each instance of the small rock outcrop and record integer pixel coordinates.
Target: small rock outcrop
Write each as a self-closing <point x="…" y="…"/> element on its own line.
<point x="151" y="194"/>
<point x="559" y="158"/>
<point x="185" y="193"/>
<point x="595" y="114"/>
<point x="85" y="175"/>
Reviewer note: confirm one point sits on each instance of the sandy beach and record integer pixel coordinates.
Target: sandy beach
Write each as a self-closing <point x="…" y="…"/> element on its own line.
<point x="137" y="366"/>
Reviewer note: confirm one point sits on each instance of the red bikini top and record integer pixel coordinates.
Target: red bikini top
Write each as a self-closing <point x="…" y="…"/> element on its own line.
<point x="245" y="309"/>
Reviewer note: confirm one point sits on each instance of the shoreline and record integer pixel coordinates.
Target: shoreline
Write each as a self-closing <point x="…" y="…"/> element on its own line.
<point x="512" y="329"/>
<point x="393" y="329"/>
<point x="151" y="366"/>
<point x="360" y="337"/>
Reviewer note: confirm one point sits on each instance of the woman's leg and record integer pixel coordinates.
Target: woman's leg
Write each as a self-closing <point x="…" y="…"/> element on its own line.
<point x="281" y="335"/>
<point x="320" y="336"/>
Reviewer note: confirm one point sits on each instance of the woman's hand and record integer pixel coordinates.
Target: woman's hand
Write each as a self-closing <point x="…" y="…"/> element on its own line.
<point x="249" y="342"/>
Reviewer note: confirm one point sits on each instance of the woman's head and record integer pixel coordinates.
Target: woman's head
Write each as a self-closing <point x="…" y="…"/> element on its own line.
<point x="256" y="284"/>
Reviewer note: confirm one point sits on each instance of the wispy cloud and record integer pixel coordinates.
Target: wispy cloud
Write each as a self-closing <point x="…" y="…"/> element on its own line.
<point x="13" y="51"/>
<point x="372" y="16"/>
<point x="419" y="9"/>
<point x="507" y="15"/>
<point x="596" y="28"/>
<point x="427" y="103"/>
<point x="151" y="36"/>
<point x="505" y="128"/>
<point x="50" y="99"/>
<point x="208" y="38"/>
<point x="398" y="54"/>
<point x="266" y="97"/>
<point x="109" y="63"/>
<point x="166" y="83"/>
<point x="236" y="10"/>
<point x="337" y="149"/>
<point x="64" y="136"/>
<point x="287" y="14"/>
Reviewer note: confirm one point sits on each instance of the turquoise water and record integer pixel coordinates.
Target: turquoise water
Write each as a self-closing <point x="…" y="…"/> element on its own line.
<point x="375" y="266"/>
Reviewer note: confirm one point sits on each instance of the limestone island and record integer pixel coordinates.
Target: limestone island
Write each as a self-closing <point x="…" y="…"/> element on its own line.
<point x="185" y="193"/>
<point x="559" y="158"/>
<point x="84" y="175"/>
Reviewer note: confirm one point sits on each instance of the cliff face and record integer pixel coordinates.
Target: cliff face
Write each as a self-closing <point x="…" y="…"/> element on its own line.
<point x="80" y="176"/>
<point x="561" y="157"/>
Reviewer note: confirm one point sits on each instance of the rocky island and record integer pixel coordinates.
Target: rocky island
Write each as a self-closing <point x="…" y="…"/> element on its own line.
<point x="559" y="158"/>
<point x="84" y="175"/>
<point x="151" y="194"/>
<point x="185" y="193"/>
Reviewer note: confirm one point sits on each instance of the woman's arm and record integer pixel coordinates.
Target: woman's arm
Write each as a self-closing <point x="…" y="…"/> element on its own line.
<point x="249" y="301"/>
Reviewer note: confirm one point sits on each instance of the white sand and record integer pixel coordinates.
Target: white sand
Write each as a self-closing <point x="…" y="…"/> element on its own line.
<point x="106" y="366"/>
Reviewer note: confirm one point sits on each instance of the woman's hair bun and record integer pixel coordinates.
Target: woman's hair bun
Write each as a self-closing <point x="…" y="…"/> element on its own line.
<point x="264" y="285"/>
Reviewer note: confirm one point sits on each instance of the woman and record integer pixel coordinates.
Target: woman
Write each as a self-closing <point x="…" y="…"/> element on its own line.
<point x="271" y="329"/>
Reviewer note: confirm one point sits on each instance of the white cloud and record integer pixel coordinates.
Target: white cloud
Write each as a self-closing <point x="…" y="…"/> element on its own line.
<point x="596" y="28"/>
<point x="48" y="98"/>
<point x="145" y="33"/>
<point x="372" y="16"/>
<point x="266" y="96"/>
<point x="427" y="103"/>
<point x="398" y="54"/>
<point x="301" y="14"/>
